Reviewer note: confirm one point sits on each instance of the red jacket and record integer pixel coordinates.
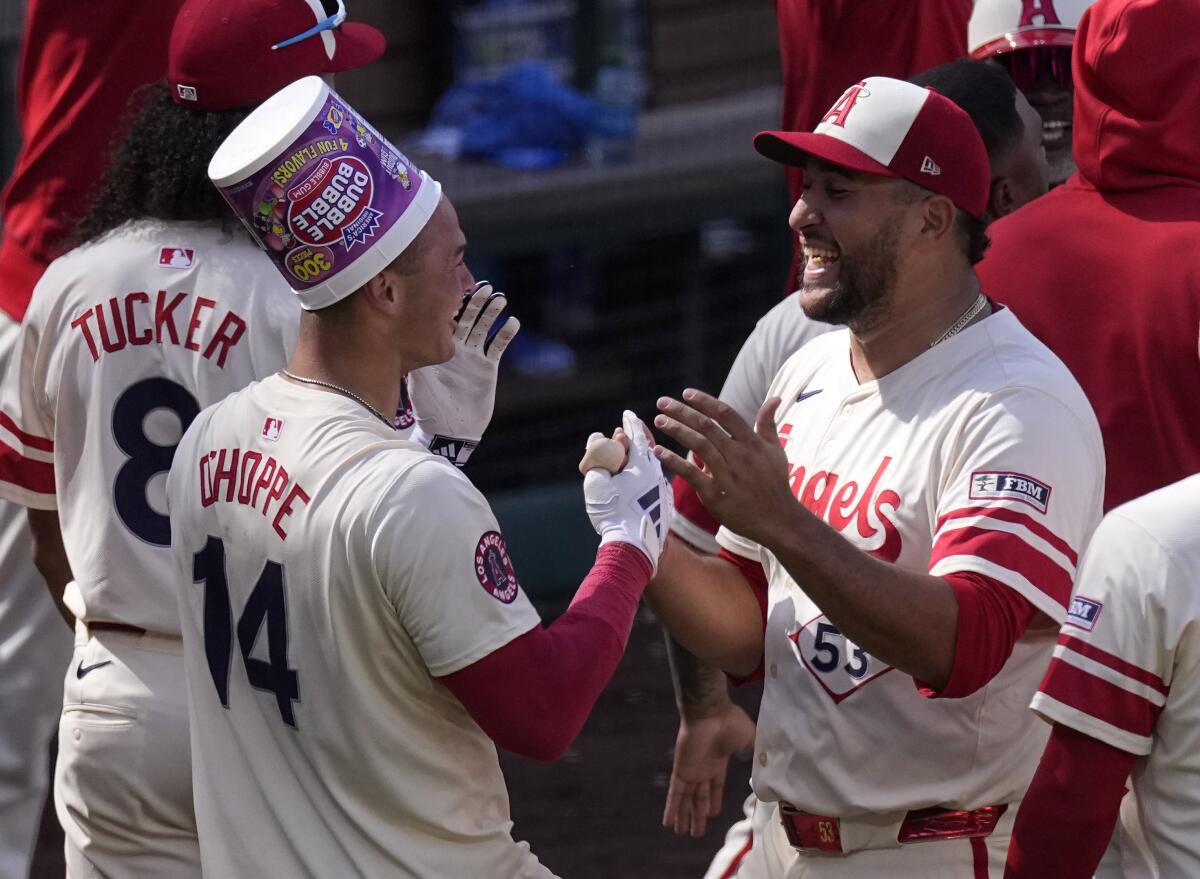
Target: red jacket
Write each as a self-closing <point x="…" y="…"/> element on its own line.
<point x="79" y="64"/>
<point x="1106" y="268"/>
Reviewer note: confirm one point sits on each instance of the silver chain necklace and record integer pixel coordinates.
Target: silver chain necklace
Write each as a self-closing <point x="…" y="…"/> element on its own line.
<point x="967" y="316"/>
<point x="349" y="393"/>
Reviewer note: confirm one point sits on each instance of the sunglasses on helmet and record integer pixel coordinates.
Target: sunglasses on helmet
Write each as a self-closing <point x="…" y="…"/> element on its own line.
<point x="326" y="24"/>
<point x="1027" y="66"/>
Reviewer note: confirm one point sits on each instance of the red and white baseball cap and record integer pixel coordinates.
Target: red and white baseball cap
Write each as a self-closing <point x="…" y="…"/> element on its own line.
<point x="237" y="53"/>
<point x="895" y="129"/>
<point x="999" y="26"/>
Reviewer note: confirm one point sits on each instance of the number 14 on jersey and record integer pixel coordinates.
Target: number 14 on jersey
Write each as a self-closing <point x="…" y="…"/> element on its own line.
<point x="265" y="605"/>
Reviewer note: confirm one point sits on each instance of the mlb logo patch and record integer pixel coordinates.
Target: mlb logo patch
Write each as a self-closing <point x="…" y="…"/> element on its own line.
<point x="1083" y="613"/>
<point x="176" y="257"/>
<point x="272" y="428"/>
<point x="1010" y="486"/>
<point x="187" y="92"/>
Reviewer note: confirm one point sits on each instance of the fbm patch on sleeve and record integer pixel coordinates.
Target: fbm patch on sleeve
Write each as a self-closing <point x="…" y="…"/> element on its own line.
<point x="994" y="485"/>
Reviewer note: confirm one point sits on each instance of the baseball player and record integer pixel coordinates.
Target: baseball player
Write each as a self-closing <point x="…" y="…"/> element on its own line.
<point x="824" y="43"/>
<point x="711" y="726"/>
<point x="1121" y="692"/>
<point x="168" y="306"/>
<point x="1032" y="40"/>
<point x="891" y="513"/>
<point x="77" y="69"/>
<point x="355" y="636"/>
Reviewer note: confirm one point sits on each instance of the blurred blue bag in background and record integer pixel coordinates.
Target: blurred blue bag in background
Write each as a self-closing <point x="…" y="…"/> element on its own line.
<point x="524" y="119"/>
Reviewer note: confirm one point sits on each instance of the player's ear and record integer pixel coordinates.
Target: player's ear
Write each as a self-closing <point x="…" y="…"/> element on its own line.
<point x="1001" y="200"/>
<point x="384" y="291"/>
<point x="937" y="215"/>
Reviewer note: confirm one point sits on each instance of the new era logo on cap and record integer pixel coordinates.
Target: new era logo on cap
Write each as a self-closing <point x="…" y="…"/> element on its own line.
<point x="176" y="257"/>
<point x="929" y="166"/>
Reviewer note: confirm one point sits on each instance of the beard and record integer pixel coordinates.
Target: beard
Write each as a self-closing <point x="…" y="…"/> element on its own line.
<point x="861" y="298"/>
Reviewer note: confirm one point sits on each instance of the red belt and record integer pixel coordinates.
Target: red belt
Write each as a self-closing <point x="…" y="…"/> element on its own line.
<point x="823" y="832"/>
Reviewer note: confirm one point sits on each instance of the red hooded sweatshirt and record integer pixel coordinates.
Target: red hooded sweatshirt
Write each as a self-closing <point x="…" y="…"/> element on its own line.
<point x="1105" y="270"/>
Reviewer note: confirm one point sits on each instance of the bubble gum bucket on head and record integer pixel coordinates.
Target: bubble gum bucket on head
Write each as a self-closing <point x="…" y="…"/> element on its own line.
<point x="330" y="200"/>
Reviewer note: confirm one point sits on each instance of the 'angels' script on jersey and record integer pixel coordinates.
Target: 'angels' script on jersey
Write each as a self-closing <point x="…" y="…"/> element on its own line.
<point x="839" y="665"/>
<point x="244" y="475"/>
<point x="133" y="319"/>
<point x="842" y="504"/>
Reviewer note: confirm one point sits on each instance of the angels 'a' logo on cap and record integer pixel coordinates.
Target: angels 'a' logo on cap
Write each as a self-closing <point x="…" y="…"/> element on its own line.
<point x="839" y="111"/>
<point x="1043" y="8"/>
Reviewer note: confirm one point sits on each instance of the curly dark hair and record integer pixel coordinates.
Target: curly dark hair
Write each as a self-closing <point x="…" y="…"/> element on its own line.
<point x="160" y="169"/>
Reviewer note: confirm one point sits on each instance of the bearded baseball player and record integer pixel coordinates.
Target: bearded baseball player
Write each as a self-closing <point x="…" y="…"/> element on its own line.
<point x="166" y="307"/>
<point x="900" y="526"/>
<point x="356" y="639"/>
<point x="712" y="727"/>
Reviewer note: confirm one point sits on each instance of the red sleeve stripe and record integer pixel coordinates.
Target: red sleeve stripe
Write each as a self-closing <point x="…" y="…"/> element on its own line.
<point x="1008" y="551"/>
<point x="690" y="507"/>
<point x="34" y="442"/>
<point x="1099" y="698"/>
<point x="1005" y="514"/>
<point x="25" y="473"/>
<point x="1128" y="669"/>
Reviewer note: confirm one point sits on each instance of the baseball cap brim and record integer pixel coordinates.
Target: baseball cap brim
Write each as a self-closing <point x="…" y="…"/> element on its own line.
<point x="793" y="147"/>
<point x="357" y="46"/>
<point x="1027" y="39"/>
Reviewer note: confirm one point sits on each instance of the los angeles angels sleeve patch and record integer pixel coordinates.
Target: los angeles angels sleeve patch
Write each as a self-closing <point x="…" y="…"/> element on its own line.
<point x="993" y="485"/>
<point x="494" y="569"/>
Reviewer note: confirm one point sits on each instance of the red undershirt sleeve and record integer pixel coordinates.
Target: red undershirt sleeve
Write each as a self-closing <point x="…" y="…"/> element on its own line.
<point x="991" y="617"/>
<point x="756" y="579"/>
<point x="1067" y="817"/>
<point x="533" y="695"/>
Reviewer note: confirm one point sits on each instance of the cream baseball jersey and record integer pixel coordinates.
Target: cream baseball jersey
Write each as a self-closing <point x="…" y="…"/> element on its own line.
<point x="125" y="341"/>
<point x="1126" y="670"/>
<point x="776" y="336"/>
<point x="980" y="455"/>
<point x="330" y="573"/>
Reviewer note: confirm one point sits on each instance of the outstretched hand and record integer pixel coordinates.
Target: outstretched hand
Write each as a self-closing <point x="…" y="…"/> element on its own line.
<point x="703" y="747"/>
<point x="744" y="482"/>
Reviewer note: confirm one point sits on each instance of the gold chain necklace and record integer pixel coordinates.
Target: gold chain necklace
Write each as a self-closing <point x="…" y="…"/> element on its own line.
<point x="349" y="393"/>
<point x="967" y="316"/>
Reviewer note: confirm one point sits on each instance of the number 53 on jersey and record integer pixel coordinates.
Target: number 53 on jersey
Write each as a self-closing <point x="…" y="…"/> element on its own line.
<point x="840" y="666"/>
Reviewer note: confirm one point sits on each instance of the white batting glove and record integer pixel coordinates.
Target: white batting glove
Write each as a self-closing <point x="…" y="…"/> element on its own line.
<point x="453" y="401"/>
<point x="636" y="505"/>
